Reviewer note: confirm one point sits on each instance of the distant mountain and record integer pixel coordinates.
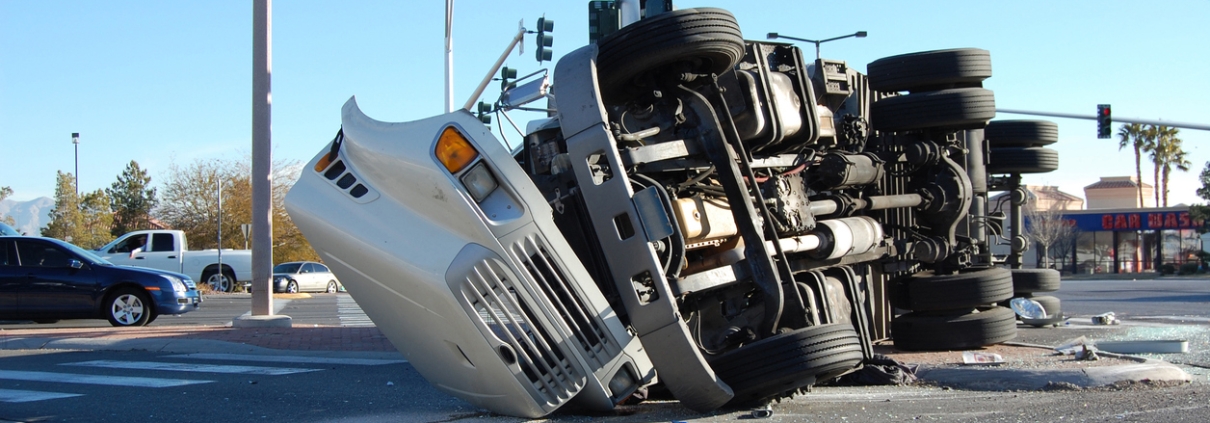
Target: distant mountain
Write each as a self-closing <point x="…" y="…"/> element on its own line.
<point x="30" y="215"/>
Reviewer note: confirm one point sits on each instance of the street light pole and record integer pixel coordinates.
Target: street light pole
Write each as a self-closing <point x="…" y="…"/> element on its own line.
<point x="858" y="34"/>
<point x="75" y="139"/>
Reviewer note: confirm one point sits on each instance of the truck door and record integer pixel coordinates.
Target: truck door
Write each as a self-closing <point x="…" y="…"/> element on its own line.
<point x="161" y="253"/>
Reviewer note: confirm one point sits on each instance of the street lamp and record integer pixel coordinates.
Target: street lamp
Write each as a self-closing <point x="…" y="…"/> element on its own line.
<point x="858" y="34"/>
<point x="75" y="139"/>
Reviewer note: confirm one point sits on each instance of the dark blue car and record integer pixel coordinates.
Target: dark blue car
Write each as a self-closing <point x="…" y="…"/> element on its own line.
<point x="46" y="280"/>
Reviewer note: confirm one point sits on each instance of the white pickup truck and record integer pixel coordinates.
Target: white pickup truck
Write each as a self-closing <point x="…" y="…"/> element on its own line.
<point x="169" y="250"/>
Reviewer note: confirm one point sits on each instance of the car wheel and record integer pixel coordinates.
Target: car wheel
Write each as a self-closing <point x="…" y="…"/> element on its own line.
<point x="292" y="287"/>
<point x="1022" y="160"/>
<point x="927" y="70"/>
<point x="331" y="287"/>
<point x="965" y="290"/>
<point x="958" y="108"/>
<point x="706" y="39"/>
<point x="1028" y="281"/>
<point x="789" y="361"/>
<point x="924" y="331"/>
<point x="219" y="282"/>
<point x="128" y="307"/>
<point x="1021" y="133"/>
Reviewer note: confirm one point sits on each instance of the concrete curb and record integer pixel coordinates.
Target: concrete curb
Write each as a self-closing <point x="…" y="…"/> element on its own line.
<point x="994" y="379"/>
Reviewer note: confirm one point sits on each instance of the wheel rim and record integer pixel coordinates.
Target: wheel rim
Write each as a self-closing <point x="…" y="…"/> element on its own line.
<point x="331" y="287"/>
<point x="127" y="309"/>
<point x="292" y="288"/>
<point x="219" y="282"/>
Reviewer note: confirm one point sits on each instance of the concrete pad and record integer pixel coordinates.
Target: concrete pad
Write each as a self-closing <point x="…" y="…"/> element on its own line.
<point x="273" y="321"/>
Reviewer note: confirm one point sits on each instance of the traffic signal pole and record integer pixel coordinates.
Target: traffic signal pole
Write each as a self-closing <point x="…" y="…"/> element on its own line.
<point x="1157" y="122"/>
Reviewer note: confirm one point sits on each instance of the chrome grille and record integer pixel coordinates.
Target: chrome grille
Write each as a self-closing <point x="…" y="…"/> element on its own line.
<point x="582" y="322"/>
<point x="497" y="303"/>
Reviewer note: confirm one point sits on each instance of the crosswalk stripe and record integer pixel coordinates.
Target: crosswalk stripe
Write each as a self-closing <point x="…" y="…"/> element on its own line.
<point x="16" y="395"/>
<point x="191" y="367"/>
<point x="288" y="359"/>
<point x="350" y="313"/>
<point x="128" y="381"/>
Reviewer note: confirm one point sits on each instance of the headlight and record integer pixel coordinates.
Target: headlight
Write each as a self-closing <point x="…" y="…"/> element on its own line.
<point x="177" y="284"/>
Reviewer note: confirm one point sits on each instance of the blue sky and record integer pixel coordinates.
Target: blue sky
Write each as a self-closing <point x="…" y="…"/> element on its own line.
<point x="170" y="82"/>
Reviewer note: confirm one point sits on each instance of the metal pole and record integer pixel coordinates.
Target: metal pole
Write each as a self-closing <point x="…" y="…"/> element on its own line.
<point x="262" y="158"/>
<point x="495" y="68"/>
<point x="449" y="56"/>
<point x="75" y="139"/>
<point x="1156" y="122"/>
<point x="220" y="231"/>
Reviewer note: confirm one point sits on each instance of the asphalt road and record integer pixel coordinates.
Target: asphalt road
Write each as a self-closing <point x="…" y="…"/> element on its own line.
<point x="393" y="392"/>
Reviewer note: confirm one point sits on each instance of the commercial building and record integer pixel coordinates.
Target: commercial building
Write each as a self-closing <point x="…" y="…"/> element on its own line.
<point x="1120" y="231"/>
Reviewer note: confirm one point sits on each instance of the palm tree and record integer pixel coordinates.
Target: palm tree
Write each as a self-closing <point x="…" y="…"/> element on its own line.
<point x="1171" y="155"/>
<point x="1132" y="135"/>
<point x="1151" y="136"/>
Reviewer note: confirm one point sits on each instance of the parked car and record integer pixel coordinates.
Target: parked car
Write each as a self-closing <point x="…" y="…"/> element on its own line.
<point x="45" y="280"/>
<point x="304" y="276"/>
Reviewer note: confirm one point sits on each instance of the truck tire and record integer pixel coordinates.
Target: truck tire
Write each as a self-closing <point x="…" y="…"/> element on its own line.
<point x="917" y="331"/>
<point x="789" y="361"/>
<point x="1021" y="133"/>
<point x="1022" y="160"/>
<point x="219" y="282"/>
<point x="927" y="70"/>
<point x="128" y="307"/>
<point x="958" y="108"/>
<point x="966" y="290"/>
<point x="1028" y="281"/>
<point x="708" y="39"/>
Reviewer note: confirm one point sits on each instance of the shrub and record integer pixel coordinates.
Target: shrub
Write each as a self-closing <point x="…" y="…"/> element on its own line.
<point x="1168" y="269"/>
<point x="1188" y="268"/>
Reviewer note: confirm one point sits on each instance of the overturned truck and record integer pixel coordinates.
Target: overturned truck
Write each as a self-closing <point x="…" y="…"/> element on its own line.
<point x="713" y="215"/>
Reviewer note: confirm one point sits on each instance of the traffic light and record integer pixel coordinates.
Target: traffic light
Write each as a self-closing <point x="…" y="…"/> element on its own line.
<point x="545" y="40"/>
<point x="1104" y="122"/>
<point x="507" y="73"/>
<point x="485" y="112"/>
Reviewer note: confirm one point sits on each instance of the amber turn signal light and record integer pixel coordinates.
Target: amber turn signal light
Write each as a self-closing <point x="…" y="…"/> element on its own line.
<point x="454" y="151"/>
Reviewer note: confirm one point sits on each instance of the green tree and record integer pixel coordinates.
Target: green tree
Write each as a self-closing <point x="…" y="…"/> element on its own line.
<point x="65" y="217"/>
<point x="132" y="199"/>
<point x="1132" y="135"/>
<point x="190" y="203"/>
<point x="1200" y="211"/>
<point x="96" y="220"/>
<point x="4" y="193"/>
